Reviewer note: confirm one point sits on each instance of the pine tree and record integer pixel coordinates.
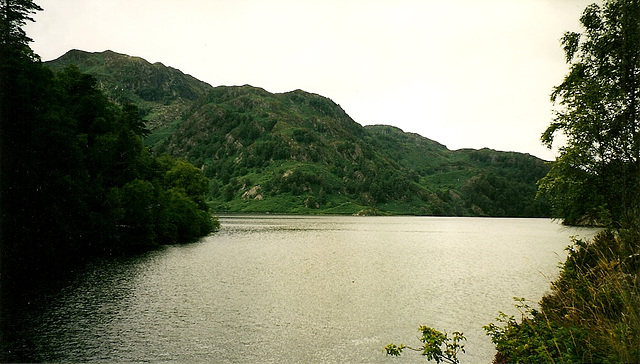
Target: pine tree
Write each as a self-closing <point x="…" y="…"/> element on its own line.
<point x="14" y="15"/>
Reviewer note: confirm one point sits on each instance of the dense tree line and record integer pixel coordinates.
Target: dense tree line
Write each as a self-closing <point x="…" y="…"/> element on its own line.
<point x="76" y="179"/>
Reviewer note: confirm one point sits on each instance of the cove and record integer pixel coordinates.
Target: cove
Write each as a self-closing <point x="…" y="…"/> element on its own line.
<point x="291" y="289"/>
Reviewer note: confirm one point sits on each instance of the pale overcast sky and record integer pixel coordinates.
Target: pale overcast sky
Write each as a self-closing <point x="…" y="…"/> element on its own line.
<point x="466" y="73"/>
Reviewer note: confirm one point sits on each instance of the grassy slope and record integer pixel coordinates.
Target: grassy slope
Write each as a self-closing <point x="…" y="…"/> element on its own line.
<point x="299" y="152"/>
<point x="591" y="315"/>
<point x="305" y="154"/>
<point x="161" y="93"/>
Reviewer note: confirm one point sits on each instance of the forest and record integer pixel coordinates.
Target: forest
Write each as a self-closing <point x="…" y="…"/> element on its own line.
<point x="299" y="152"/>
<point x="77" y="181"/>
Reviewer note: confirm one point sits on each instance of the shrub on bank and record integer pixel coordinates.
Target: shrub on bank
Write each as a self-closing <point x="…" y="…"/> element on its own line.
<point x="592" y="313"/>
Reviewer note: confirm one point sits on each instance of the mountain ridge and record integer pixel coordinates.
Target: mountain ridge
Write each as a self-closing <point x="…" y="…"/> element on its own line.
<point x="300" y="152"/>
<point x="162" y="93"/>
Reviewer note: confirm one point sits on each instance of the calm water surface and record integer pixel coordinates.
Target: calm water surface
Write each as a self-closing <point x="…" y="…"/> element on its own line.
<point x="297" y="290"/>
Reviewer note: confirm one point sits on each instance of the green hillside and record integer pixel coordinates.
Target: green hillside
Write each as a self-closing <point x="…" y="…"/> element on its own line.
<point x="161" y="93"/>
<point x="299" y="152"/>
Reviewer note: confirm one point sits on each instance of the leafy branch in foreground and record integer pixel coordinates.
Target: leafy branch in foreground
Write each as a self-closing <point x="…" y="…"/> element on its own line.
<point x="436" y="346"/>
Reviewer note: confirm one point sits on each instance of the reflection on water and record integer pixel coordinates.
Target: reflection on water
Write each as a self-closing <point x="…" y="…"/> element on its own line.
<point x="295" y="289"/>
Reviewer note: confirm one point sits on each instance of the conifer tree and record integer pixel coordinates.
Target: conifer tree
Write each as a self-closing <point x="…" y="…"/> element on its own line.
<point x="76" y="180"/>
<point x="14" y="15"/>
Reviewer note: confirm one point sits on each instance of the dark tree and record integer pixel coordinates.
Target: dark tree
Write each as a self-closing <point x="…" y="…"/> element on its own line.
<point x="596" y="177"/>
<point x="76" y="181"/>
<point x="14" y="15"/>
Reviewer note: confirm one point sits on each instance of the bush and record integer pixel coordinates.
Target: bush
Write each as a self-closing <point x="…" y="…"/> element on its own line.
<point x="436" y="346"/>
<point x="592" y="313"/>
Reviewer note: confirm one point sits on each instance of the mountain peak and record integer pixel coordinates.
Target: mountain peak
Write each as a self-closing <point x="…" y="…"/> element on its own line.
<point x="304" y="153"/>
<point x="161" y="93"/>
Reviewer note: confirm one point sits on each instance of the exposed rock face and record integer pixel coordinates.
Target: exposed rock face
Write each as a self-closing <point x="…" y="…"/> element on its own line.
<point x="253" y="193"/>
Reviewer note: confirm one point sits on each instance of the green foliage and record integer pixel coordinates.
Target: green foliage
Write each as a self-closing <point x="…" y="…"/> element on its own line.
<point x="596" y="177"/>
<point x="592" y="313"/>
<point x="187" y="178"/>
<point x="182" y="220"/>
<point x="232" y="133"/>
<point x="77" y="180"/>
<point x="436" y="346"/>
<point x="295" y="144"/>
<point x="535" y="339"/>
<point x="14" y="15"/>
<point x="161" y="93"/>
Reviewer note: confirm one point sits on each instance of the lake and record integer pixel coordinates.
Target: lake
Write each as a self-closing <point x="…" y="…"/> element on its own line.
<point x="296" y="289"/>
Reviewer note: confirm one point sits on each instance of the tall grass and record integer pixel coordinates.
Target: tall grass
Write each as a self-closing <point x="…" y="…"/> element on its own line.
<point x="592" y="313"/>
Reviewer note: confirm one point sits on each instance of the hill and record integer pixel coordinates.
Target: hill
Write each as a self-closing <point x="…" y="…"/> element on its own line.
<point x="161" y="93"/>
<point x="298" y="152"/>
